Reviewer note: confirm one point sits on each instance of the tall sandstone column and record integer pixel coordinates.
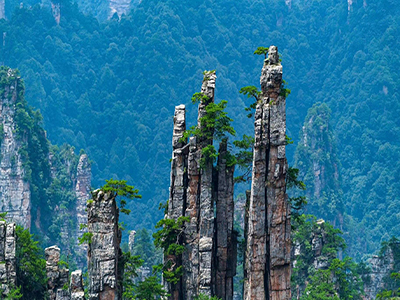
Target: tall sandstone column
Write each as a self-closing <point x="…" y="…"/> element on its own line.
<point x="8" y="267"/>
<point x="226" y="240"/>
<point x="268" y="240"/>
<point x="192" y="192"/>
<point x="104" y="248"/>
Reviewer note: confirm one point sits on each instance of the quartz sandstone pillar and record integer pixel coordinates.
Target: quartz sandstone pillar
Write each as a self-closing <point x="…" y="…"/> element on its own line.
<point x="104" y="248"/>
<point x="178" y="189"/>
<point x="57" y="282"/>
<point x="8" y="275"/>
<point x="226" y="250"/>
<point x="268" y="240"/>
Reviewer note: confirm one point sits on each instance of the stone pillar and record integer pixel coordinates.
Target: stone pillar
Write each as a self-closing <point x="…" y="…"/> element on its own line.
<point x="268" y="241"/>
<point x="206" y="220"/>
<point x="131" y="241"/>
<point x="178" y="190"/>
<point x="8" y="275"/>
<point x="104" y="247"/>
<point x="14" y="189"/>
<point x="76" y="286"/>
<point x="57" y="284"/>
<point x="82" y="192"/>
<point x="226" y="250"/>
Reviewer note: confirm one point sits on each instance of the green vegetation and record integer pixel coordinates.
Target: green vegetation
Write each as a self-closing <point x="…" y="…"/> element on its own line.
<point x="31" y="267"/>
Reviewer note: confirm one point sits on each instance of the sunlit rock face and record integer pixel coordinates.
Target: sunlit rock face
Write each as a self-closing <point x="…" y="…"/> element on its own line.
<point x="8" y="275"/>
<point x="267" y="265"/>
<point x="15" y="195"/>
<point x="104" y="250"/>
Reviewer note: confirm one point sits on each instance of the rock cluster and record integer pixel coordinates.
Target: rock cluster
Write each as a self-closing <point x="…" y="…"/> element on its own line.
<point x="104" y="251"/>
<point x="209" y="260"/>
<point x="8" y="266"/>
<point x="268" y="244"/>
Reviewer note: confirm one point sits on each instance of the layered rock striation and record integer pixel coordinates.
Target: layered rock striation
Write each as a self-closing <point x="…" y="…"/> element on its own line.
<point x="210" y="243"/>
<point x="57" y="276"/>
<point x="104" y="251"/>
<point x="268" y="242"/>
<point x="8" y="275"/>
<point x="15" y="195"/>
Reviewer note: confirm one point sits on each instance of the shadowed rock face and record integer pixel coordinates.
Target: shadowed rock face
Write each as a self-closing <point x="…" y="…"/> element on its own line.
<point x="76" y="286"/>
<point x="193" y="192"/>
<point x="8" y="275"/>
<point x="57" y="276"/>
<point x="14" y="189"/>
<point x="104" y="248"/>
<point x="82" y="192"/>
<point x="268" y="239"/>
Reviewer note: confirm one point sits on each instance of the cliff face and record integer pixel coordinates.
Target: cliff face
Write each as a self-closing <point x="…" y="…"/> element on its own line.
<point x="8" y="276"/>
<point x="316" y="158"/>
<point x="104" y="248"/>
<point x="209" y="261"/>
<point x="15" y="193"/>
<point x="268" y="245"/>
<point x="42" y="187"/>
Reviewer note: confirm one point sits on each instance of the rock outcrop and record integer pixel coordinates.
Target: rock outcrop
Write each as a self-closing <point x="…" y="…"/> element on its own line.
<point x="209" y="259"/>
<point x="76" y="286"/>
<point x="118" y="6"/>
<point x="104" y="251"/>
<point x="57" y="283"/>
<point x="82" y="192"/>
<point x="8" y="275"/>
<point x="2" y="9"/>
<point x="268" y="246"/>
<point x="15" y="195"/>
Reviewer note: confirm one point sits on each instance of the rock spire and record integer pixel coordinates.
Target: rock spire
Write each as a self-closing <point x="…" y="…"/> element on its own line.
<point x="104" y="251"/>
<point x="268" y="246"/>
<point x="208" y="261"/>
<point x="8" y="275"/>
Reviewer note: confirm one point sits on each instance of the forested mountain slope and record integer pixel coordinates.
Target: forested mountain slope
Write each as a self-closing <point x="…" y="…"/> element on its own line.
<point x="111" y="87"/>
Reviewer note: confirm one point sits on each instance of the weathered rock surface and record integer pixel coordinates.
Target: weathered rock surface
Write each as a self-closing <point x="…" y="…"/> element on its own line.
<point x="381" y="268"/>
<point x="2" y="9"/>
<point x="104" y="248"/>
<point x="268" y="267"/>
<point x="15" y="196"/>
<point x="193" y="192"/>
<point x="76" y="286"/>
<point x="57" y="284"/>
<point x="82" y="192"/>
<point x="8" y="275"/>
<point x="226" y="241"/>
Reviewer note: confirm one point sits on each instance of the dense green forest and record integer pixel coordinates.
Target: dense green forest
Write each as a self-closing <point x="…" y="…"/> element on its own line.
<point x="110" y="87"/>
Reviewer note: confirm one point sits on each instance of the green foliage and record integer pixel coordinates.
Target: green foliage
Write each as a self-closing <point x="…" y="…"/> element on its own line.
<point x="14" y="294"/>
<point x="31" y="266"/>
<point x="169" y="238"/>
<point x="262" y="51"/>
<point x="205" y="297"/>
<point x="285" y="92"/>
<point x="130" y="264"/>
<point x="150" y="288"/>
<point x="144" y="247"/>
<point x="124" y="191"/>
<point x="86" y="238"/>
<point x="199" y="97"/>
<point x="340" y="281"/>
<point x="251" y="91"/>
<point x="244" y="157"/>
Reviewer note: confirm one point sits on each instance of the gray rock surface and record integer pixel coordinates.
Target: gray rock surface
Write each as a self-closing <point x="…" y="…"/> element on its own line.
<point x="8" y="275"/>
<point x="104" y="250"/>
<point x="14" y="189"/>
<point x="82" y="192"/>
<point x="268" y="239"/>
<point x="76" y="286"/>
<point x="57" y="276"/>
<point x="118" y="6"/>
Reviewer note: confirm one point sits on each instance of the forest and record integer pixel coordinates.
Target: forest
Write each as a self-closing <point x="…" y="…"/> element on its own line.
<point x="109" y="87"/>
